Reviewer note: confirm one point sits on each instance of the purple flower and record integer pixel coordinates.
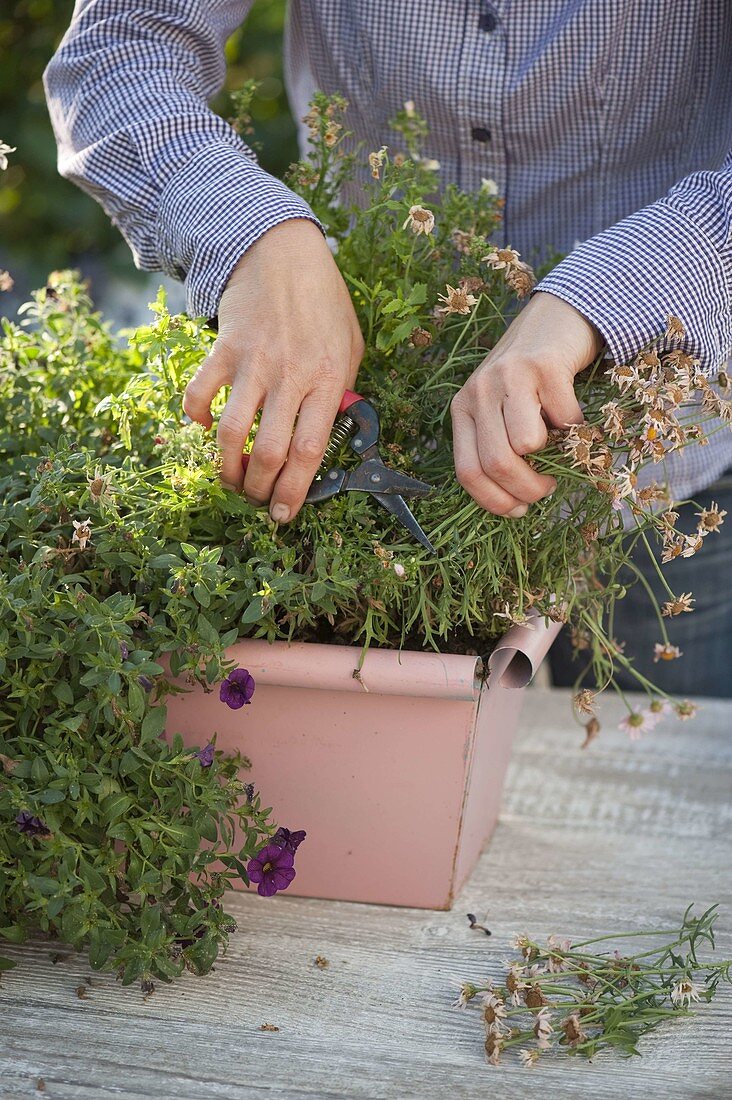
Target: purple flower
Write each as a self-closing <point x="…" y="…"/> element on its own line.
<point x="124" y="651"/>
<point x="31" y="825"/>
<point x="272" y="869"/>
<point x="290" y="841"/>
<point x="145" y="682"/>
<point x="206" y="755"/>
<point x="249" y="792"/>
<point x="237" y="689"/>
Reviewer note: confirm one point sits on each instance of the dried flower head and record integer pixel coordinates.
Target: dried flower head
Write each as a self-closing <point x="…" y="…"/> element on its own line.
<point x="572" y="1028"/>
<point x="710" y="519"/>
<point x="376" y="161"/>
<point x="420" y="338"/>
<point x="674" y="328"/>
<point x="6" y="281"/>
<point x="419" y="220"/>
<point x="685" y="709"/>
<point x="456" y="301"/>
<point x="584" y="701"/>
<point x="678" y="605"/>
<point x="686" y="991"/>
<point x="543" y="1028"/>
<point x="82" y="532"/>
<point x="529" y="1058"/>
<point x="500" y="258"/>
<point x="592" y="729"/>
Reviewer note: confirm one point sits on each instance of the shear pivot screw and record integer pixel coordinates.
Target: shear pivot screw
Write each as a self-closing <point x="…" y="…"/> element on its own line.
<point x="358" y="443"/>
<point x="333" y="475"/>
<point x="376" y="478"/>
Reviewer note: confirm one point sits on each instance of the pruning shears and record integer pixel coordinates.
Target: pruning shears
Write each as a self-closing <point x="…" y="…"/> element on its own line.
<point x="358" y="424"/>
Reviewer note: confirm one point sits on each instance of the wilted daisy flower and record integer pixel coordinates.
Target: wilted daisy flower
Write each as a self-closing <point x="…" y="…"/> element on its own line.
<point x="500" y="258"/>
<point x="685" y="709"/>
<point x="399" y="569"/>
<point x="419" y="220"/>
<point x="376" y="161"/>
<point x="543" y="1028"/>
<point x="710" y="519"/>
<point x="6" y="281"/>
<point x="666" y="652"/>
<point x="456" y="300"/>
<point x="82" y="532"/>
<point x="584" y="701"/>
<point x="572" y="1028"/>
<point x="488" y="186"/>
<point x="494" y="1010"/>
<point x="4" y="150"/>
<point x="659" y="708"/>
<point x="636" y="723"/>
<point x="466" y="994"/>
<point x="592" y="729"/>
<point x="685" y="992"/>
<point x="674" y="328"/>
<point x="493" y="1047"/>
<point x="420" y="338"/>
<point x="529" y="1057"/>
<point x="521" y="279"/>
<point x="678" y="605"/>
<point x="462" y="240"/>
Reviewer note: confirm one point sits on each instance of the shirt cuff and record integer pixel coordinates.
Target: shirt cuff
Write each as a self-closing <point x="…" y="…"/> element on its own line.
<point x="211" y="212"/>
<point x="628" y="279"/>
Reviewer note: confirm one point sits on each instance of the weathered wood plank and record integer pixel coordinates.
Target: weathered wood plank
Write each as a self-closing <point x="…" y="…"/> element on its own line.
<point x="619" y="837"/>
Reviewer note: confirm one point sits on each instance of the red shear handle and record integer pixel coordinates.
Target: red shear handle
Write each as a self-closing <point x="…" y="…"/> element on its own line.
<point x="349" y="398"/>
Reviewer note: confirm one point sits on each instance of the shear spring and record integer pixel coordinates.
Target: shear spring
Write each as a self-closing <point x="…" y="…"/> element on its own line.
<point x="342" y="429"/>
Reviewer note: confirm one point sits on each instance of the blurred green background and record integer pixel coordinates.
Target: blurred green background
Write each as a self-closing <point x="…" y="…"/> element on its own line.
<point x="46" y="222"/>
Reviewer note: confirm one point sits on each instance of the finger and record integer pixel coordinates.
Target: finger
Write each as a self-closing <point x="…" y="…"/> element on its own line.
<point x="271" y="445"/>
<point x="235" y="424"/>
<point x="470" y="472"/>
<point x="312" y="434"/>
<point x="526" y="428"/>
<point x="214" y="372"/>
<point x="524" y="423"/>
<point x="501" y="463"/>
<point x="560" y="403"/>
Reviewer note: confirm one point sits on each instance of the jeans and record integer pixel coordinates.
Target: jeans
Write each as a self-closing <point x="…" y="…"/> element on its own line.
<point x="704" y="635"/>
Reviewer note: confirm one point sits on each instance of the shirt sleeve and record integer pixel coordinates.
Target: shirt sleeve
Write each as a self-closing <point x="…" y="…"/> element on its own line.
<point x="672" y="257"/>
<point x="127" y="92"/>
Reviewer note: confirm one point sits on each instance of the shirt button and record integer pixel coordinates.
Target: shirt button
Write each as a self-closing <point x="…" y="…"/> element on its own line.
<point x="488" y="21"/>
<point x="479" y="133"/>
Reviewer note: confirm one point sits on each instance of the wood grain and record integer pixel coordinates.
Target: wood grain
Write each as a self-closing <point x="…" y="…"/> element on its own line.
<point x="618" y="837"/>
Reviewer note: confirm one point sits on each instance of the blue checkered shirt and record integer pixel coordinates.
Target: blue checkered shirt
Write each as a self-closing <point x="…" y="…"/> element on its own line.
<point x="606" y="125"/>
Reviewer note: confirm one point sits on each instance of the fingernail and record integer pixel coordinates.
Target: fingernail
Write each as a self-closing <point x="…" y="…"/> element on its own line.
<point x="517" y="513"/>
<point x="280" y="513"/>
<point x="231" y="488"/>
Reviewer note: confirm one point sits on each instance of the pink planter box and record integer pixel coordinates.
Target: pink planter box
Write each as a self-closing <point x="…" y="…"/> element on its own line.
<point x="396" y="777"/>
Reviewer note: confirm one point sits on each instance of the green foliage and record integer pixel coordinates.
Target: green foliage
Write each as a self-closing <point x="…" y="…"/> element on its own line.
<point x="87" y="636"/>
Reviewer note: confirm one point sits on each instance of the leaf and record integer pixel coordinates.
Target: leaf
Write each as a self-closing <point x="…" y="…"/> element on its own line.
<point x="115" y="805"/>
<point x="254" y="611"/>
<point x="51" y="796"/>
<point x="201" y="593"/>
<point x="153" y="723"/>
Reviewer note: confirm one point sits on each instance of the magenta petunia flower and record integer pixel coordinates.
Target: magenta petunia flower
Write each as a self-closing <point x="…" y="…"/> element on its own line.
<point x="31" y="825"/>
<point x="206" y="755"/>
<point x="272" y="868"/>
<point x="290" y="841"/>
<point x="237" y="689"/>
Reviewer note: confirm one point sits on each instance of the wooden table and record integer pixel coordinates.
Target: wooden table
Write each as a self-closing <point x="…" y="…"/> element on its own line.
<point x="615" y="838"/>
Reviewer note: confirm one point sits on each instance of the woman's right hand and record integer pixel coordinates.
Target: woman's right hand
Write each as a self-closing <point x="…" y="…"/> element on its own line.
<point x="289" y="344"/>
